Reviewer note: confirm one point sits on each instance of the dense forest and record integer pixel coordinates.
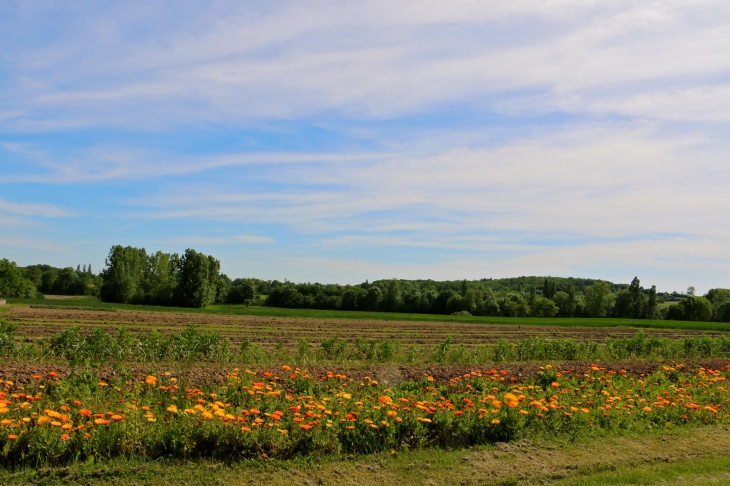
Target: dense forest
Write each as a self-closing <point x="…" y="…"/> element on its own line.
<point x="193" y="279"/>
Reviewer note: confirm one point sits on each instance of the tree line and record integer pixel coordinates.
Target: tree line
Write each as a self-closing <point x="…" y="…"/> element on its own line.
<point x="193" y="279"/>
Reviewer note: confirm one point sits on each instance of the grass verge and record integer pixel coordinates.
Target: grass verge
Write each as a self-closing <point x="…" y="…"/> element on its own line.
<point x="695" y="456"/>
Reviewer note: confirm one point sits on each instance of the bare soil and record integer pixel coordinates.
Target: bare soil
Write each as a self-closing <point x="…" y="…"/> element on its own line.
<point x="43" y="322"/>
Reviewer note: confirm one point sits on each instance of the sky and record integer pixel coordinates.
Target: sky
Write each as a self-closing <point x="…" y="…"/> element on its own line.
<point x="341" y="141"/>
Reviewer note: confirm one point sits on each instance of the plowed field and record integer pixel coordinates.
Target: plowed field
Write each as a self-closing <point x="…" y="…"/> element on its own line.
<point x="36" y="323"/>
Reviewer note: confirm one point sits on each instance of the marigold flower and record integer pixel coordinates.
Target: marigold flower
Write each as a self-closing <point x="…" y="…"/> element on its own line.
<point x="56" y="423"/>
<point x="99" y="421"/>
<point x="647" y="409"/>
<point x="172" y="409"/>
<point x="151" y="380"/>
<point x="65" y="437"/>
<point x="286" y="368"/>
<point x="12" y="437"/>
<point x="305" y="426"/>
<point x="43" y="420"/>
<point x="245" y="429"/>
<point x="495" y="421"/>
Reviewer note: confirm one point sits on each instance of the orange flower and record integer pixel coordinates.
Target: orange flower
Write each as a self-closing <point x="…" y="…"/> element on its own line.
<point x="245" y="429"/>
<point x="53" y="374"/>
<point x="172" y="409"/>
<point x="100" y="421"/>
<point x="286" y="368"/>
<point x="647" y="409"/>
<point x="459" y="412"/>
<point x="385" y="399"/>
<point x="65" y="407"/>
<point x="77" y="402"/>
<point x="150" y="380"/>
<point x="305" y="426"/>
<point x="495" y="421"/>
<point x="65" y="437"/>
<point x="555" y="384"/>
<point x="117" y="417"/>
<point x="12" y="437"/>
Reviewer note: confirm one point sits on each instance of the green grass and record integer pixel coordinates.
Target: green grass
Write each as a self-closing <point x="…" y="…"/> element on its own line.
<point x="626" y="461"/>
<point x="696" y="472"/>
<point x="391" y="316"/>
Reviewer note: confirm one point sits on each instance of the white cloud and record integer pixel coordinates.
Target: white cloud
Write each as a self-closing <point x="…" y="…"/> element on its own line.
<point x="376" y="59"/>
<point x="217" y="240"/>
<point x="33" y="209"/>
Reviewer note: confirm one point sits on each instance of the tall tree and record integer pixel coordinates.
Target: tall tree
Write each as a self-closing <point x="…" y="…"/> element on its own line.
<point x="123" y="275"/>
<point x="195" y="287"/>
<point x="637" y="298"/>
<point x="597" y="298"/>
<point x="651" y="304"/>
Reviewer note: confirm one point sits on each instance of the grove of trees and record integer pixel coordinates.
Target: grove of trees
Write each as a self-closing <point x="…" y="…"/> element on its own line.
<point x="193" y="279"/>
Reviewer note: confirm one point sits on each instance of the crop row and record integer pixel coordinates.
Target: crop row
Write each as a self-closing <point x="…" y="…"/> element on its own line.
<point x="55" y="421"/>
<point x="191" y="344"/>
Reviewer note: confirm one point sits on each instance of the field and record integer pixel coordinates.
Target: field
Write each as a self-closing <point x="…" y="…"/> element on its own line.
<point x="274" y="398"/>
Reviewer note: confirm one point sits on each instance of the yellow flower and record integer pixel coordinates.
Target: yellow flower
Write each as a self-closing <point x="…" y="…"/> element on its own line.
<point x="172" y="409"/>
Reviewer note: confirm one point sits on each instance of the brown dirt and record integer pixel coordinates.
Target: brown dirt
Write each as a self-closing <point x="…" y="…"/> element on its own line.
<point x="43" y="322"/>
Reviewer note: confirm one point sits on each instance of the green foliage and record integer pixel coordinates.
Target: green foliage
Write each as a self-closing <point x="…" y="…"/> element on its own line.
<point x="132" y="276"/>
<point x="722" y="313"/>
<point x="543" y="307"/>
<point x="597" y="298"/>
<point x="696" y="308"/>
<point x="13" y="283"/>
<point x="7" y="338"/>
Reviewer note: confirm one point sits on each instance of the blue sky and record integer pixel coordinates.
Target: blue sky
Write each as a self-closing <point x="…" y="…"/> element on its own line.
<point x="344" y="141"/>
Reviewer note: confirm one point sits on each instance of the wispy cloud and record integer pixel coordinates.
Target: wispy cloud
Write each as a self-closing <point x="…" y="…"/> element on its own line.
<point x="373" y="138"/>
<point x="34" y="209"/>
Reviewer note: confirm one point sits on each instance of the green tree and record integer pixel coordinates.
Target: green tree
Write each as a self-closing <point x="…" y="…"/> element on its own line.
<point x="543" y="307"/>
<point x="197" y="283"/>
<point x="392" y="299"/>
<point x="241" y="291"/>
<point x="13" y="283"/>
<point x="650" y="307"/>
<point x="122" y="278"/>
<point x="549" y="288"/>
<point x="513" y="304"/>
<point x="722" y="313"/>
<point x="696" y="308"/>
<point x="597" y="299"/>
<point x="637" y="298"/>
